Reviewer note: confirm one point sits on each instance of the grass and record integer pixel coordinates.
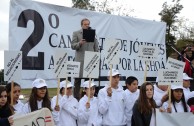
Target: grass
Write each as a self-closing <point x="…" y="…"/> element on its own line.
<point x="26" y="92"/>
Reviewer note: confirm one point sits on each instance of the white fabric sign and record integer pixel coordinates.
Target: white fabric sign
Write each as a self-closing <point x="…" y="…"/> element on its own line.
<point x="148" y="52"/>
<point x="40" y="117"/>
<point x="170" y="76"/>
<point x="39" y="29"/>
<point x="12" y="65"/>
<point x="91" y="64"/>
<point x="72" y="69"/>
<point x="174" y="119"/>
<point x="60" y="59"/>
<point x="175" y="64"/>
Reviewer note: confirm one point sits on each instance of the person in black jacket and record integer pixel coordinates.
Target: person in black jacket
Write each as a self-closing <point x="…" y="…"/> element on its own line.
<point x="144" y="107"/>
<point x="5" y="109"/>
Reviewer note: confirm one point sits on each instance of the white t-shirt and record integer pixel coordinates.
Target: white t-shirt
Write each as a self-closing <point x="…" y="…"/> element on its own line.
<point x="153" y="119"/>
<point x="158" y="94"/>
<point x="130" y="100"/>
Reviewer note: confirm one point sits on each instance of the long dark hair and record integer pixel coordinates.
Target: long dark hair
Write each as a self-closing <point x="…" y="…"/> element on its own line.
<point x="6" y="110"/>
<point x="144" y="106"/>
<point x="8" y="90"/>
<point x="33" y="100"/>
<point x="182" y="99"/>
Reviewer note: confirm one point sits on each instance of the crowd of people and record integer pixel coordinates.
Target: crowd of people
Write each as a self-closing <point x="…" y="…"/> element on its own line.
<point x="112" y="107"/>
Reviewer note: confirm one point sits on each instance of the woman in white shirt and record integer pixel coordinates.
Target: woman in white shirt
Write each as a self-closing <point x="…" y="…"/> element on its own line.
<point x="178" y="103"/>
<point x="88" y="114"/>
<point x="17" y="104"/>
<point x="39" y="97"/>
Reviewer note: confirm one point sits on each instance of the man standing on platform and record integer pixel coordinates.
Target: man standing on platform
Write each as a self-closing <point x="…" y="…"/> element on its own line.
<point x="80" y="45"/>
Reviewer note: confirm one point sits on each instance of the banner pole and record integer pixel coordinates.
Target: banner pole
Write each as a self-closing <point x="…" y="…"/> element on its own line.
<point x="58" y="85"/>
<point x="89" y="90"/>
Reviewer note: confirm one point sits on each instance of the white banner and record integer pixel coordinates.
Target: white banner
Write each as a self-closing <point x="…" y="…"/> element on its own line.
<point x="170" y="76"/>
<point x="148" y="53"/>
<point x="174" y="119"/>
<point x="91" y="64"/>
<point x="60" y="58"/>
<point x="12" y="65"/>
<point x="72" y="69"/>
<point x="40" y="117"/>
<point x="175" y="64"/>
<point x="39" y="29"/>
<point x="111" y="52"/>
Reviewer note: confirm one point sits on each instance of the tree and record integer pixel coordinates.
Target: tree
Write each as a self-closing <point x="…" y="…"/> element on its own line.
<point x="83" y="4"/>
<point x="169" y="15"/>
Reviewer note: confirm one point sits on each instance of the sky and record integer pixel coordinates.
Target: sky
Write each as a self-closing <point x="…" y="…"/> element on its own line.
<point x="144" y="9"/>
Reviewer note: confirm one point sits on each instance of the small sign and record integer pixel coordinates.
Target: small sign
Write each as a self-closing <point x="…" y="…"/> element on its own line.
<point x="72" y="69"/>
<point x="169" y="77"/>
<point x="148" y="52"/>
<point x="175" y="64"/>
<point x="60" y="59"/>
<point x="91" y="64"/>
<point x="112" y="51"/>
<point x="12" y="65"/>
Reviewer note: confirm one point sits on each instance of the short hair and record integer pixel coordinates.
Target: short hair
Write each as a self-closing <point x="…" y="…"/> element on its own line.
<point x="130" y="80"/>
<point x="85" y="19"/>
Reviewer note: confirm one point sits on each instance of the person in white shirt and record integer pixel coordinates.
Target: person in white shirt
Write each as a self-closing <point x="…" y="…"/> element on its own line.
<point x="88" y="113"/>
<point x="178" y="103"/>
<point x="68" y="106"/>
<point x="39" y="97"/>
<point x="17" y="104"/>
<point x="112" y="102"/>
<point x="160" y="93"/>
<point x="186" y="87"/>
<point x="132" y="93"/>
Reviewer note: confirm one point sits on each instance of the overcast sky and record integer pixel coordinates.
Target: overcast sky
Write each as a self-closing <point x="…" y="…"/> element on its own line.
<point x="144" y="9"/>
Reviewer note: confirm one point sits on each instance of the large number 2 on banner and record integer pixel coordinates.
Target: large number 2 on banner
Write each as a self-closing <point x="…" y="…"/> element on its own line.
<point x="29" y="62"/>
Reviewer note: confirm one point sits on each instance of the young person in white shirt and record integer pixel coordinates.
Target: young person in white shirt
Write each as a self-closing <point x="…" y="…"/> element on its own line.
<point x="17" y="104"/>
<point x="160" y="93"/>
<point x="68" y="107"/>
<point x="186" y="87"/>
<point x="88" y="114"/>
<point x="39" y="97"/>
<point x="132" y="93"/>
<point x="112" y="102"/>
<point x="178" y="103"/>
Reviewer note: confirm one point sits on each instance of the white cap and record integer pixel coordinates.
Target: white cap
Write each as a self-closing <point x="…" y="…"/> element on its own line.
<point x="173" y="87"/>
<point x="114" y="72"/>
<point x="38" y="83"/>
<point x="63" y="84"/>
<point x="186" y="77"/>
<point x="86" y="84"/>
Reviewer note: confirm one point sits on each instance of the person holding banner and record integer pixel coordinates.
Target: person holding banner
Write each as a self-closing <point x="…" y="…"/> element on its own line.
<point x="178" y="103"/>
<point x="112" y="102"/>
<point x="144" y="108"/>
<point x="6" y="111"/>
<point x="68" y="107"/>
<point x="88" y="114"/>
<point x="80" y="46"/>
<point x="132" y="93"/>
<point x="17" y="104"/>
<point x="39" y="97"/>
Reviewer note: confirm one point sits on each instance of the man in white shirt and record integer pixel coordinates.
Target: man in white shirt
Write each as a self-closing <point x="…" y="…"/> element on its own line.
<point x="112" y="102"/>
<point x="186" y="84"/>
